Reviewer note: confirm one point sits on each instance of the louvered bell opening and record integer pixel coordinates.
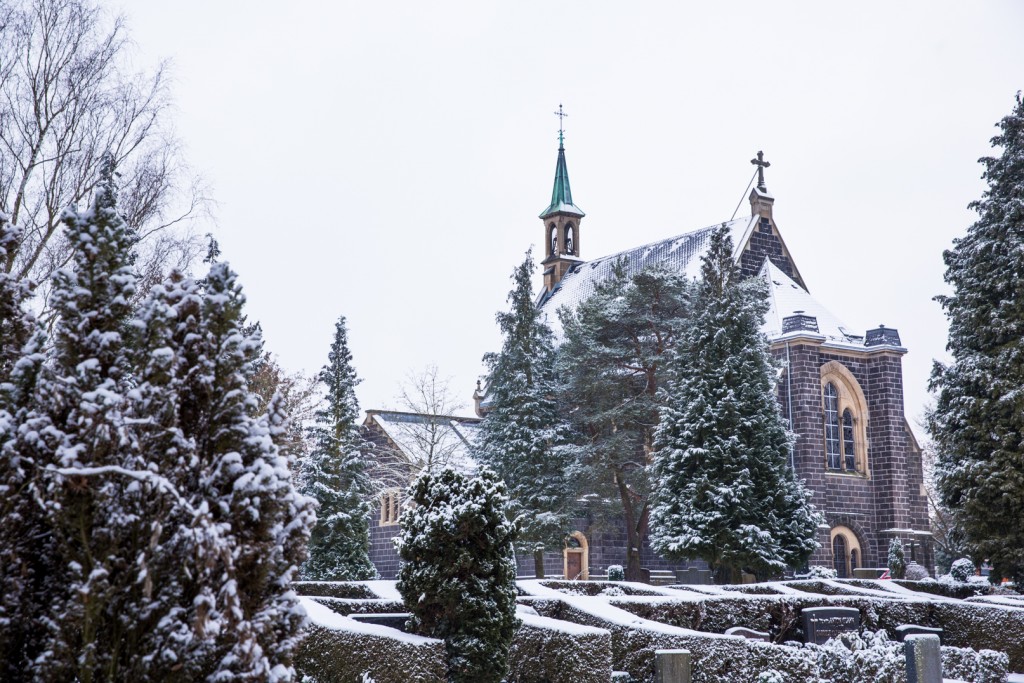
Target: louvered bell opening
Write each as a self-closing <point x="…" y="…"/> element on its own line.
<point x="799" y="322"/>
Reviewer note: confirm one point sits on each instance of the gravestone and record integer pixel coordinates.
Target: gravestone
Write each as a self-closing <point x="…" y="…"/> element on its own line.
<point x="904" y="630"/>
<point x="822" y="623"/>
<point x="924" y="658"/>
<point x="748" y="633"/>
<point x="672" y="666"/>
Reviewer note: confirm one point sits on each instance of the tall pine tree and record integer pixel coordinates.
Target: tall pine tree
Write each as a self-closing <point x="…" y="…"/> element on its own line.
<point x="522" y="438"/>
<point x="611" y="366"/>
<point x="724" y="489"/>
<point x="334" y="475"/>
<point x="978" y="418"/>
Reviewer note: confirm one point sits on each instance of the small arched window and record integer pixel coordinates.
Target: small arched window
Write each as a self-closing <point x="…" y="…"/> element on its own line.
<point x="833" y="457"/>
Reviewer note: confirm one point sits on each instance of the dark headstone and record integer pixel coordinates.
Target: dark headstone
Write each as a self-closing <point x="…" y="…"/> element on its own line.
<point x="822" y="623"/>
<point x="905" y="630"/>
<point x="749" y="634"/>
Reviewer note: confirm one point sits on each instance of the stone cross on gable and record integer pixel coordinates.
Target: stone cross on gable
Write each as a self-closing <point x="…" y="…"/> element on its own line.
<point x="761" y="165"/>
<point x="561" y="117"/>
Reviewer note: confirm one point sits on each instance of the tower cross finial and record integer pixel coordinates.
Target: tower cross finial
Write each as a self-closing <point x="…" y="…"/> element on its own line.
<point x="561" y="116"/>
<point x="761" y="165"/>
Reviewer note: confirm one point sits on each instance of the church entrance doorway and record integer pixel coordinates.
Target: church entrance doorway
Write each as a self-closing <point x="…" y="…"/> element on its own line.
<point x="576" y="557"/>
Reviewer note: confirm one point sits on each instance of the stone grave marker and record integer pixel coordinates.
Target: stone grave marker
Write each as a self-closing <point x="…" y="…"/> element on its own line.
<point x="924" y="658"/>
<point x="904" y="630"/>
<point x="748" y="633"/>
<point x="672" y="666"/>
<point x="822" y="623"/>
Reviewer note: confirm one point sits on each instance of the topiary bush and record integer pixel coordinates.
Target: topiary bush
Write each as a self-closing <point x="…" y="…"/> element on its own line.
<point x="962" y="570"/>
<point x="459" y="570"/>
<point x="616" y="573"/>
<point x="897" y="560"/>
<point x="915" y="572"/>
<point x="819" y="572"/>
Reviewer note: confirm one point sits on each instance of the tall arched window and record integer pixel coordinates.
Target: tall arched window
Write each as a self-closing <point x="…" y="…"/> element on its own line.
<point x="840" y="556"/>
<point x="833" y="456"/>
<point x="553" y="243"/>
<point x="570" y="241"/>
<point x="845" y="414"/>
<point x="849" y="452"/>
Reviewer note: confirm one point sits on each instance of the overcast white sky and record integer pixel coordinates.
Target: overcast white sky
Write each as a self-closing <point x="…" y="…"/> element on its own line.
<point x="387" y="161"/>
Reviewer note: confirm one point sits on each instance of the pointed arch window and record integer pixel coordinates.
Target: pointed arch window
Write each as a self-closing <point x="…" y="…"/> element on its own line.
<point x="570" y="241"/>
<point x="553" y="241"/>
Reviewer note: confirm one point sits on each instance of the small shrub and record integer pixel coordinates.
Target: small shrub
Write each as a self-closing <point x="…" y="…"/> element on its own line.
<point x="916" y="572"/>
<point x="897" y="560"/>
<point x="819" y="572"/>
<point x="770" y="676"/>
<point x="616" y="573"/>
<point x="962" y="570"/>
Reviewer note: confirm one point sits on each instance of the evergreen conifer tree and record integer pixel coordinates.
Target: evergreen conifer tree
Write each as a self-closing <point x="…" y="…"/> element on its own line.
<point x="724" y="489"/>
<point x="522" y="437"/>
<point x="978" y="419"/>
<point x="334" y="475"/>
<point x="613" y="362"/>
<point x="896" y="559"/>
<point x="458" y="572"/>
<point x="168" y="528"/>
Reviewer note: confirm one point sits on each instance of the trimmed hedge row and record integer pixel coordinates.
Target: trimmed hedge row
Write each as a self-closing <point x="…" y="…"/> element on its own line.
<point x="334" y="589"/>
<point x="546" y="651"/>
<point x="345" y="606"/>
<point x="965" y="624"/>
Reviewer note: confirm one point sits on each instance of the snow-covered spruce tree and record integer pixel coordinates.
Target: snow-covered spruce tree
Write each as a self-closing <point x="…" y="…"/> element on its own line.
<point x="611" y="365"/>
<point x="522" y="438"/>
<point x="26" y="567"/>
<point x="252" y="526"/>
<point x="458" y="572"/>
<point x="896" y="559"/>
<point x="334" y="475"/>
<point x="724" y="489"/>
<point x="978" y="418"/>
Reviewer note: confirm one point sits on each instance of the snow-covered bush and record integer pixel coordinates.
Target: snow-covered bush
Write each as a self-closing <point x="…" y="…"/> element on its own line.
<point x="770" y="676"/>
<point x="962" y="569"/>
<point x="821" y="572"/>
<point x="984" y="666"/>
<point x="614" y="591"/>
<point x="616" y="572"/>
<point x="897" y="561"/>
<point x="915" y="572"/>
<point x="458" y="572"/>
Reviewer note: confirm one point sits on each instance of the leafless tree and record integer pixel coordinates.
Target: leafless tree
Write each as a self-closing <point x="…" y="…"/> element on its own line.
<point x="429" y="394"/>
<point x="66" y="98"/>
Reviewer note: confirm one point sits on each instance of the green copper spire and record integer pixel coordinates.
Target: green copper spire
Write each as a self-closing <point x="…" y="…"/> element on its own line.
<point x="561" y="195"/>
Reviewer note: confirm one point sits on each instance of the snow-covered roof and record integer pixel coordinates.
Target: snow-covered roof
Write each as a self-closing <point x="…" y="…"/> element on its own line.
<point x="682" y="253"/>
<point x="415" y="434"/>
<point x="786" y="298"/>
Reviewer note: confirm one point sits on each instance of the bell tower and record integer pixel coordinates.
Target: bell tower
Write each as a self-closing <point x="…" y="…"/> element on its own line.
<point x="561" y="221"/>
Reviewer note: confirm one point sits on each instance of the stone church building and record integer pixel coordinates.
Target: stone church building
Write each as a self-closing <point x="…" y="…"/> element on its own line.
<point x="841" y="391"/>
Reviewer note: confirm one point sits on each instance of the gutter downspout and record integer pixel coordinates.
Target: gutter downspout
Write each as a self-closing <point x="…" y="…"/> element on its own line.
<point x="789" y="405"/>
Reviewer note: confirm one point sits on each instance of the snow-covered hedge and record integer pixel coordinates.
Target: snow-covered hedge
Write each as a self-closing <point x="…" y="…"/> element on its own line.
<point x="965" y="624"/>
<point x="334" y="589"/>
<point x="346" y="606"/>
<point x="549" y="651"/>
<point x="336" y="649"/>
<point x="947" y="588"/>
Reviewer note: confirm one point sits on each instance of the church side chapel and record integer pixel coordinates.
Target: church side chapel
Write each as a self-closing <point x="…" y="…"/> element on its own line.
<point x="841" y="392"/>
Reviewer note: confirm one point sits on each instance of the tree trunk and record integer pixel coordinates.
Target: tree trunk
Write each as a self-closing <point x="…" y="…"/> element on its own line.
<point x="538" y="562"/>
